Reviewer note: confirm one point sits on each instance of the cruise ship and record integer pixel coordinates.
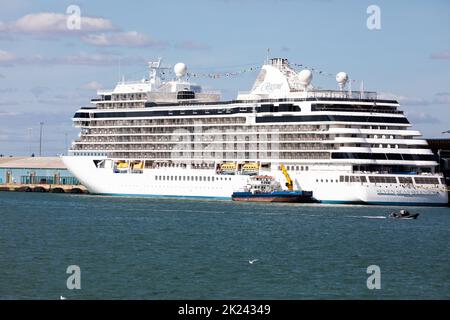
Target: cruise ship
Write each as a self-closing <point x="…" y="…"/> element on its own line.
<point x="171" y="138"/>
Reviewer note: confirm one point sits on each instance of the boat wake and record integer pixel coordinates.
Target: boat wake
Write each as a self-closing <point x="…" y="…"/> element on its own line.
<point x="368" y="217"/>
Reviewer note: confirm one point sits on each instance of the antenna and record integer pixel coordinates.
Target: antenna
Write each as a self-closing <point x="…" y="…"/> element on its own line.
<point x="268" y="54"/>
<point x="65" y="143"/>
<point x="41" y="124"/>
<point x="29" y="140"/>
<point x="120" y="67"/>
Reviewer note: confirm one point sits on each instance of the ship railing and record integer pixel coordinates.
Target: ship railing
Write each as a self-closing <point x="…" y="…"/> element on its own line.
<point x="320" y="94"/>
<point x="334" y="94"/>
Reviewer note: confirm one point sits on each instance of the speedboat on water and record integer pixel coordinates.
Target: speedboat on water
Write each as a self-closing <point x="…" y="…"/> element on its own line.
<point x="403" y="214"/>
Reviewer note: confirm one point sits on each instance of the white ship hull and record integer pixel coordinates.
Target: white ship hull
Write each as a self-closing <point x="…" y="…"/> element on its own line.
<point x="215" y="186"/>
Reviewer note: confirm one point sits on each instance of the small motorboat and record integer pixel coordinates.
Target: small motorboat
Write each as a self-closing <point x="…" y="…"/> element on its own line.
<point x="403" y="214"/>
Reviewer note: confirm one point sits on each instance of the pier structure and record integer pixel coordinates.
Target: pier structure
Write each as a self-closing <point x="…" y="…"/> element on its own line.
<point x="37" y="174"/>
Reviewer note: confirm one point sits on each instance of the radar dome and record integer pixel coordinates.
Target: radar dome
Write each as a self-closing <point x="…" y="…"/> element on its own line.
<point x="305" y="77"/>
<point x="180" y="69"/>
<point x="342" y="79"/>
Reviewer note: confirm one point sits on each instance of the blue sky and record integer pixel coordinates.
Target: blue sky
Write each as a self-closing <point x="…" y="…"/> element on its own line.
<point x="48" y="71"/>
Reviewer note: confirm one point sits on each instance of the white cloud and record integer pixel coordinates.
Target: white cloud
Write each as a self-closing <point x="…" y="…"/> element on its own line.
<point x="83" y="58"/>
<point x="93" y="30"/>
<point x="8" y="113"/>
<point x="54" y="23"/>
<point x="80" y="58"/>
<point x="93" y="85"/>
<point x="442" y="98"/>
<point x="439" y="98"/>
<point x="444" y="55"/>
<point x="7" y="57"/>
<point x="191" y="45"/>
<point x="39" y="91"/>
<point x="420" y="117"/>
<point x="407" y="100"/>
<point x="125" y="39"/>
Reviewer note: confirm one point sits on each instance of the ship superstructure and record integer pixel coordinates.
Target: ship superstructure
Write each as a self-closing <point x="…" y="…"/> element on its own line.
<point x="172" y="138"/>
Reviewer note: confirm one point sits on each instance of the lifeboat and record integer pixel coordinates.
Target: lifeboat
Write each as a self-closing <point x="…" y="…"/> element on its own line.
<point x="250" y="168"/>
<point x="228" y="168"/>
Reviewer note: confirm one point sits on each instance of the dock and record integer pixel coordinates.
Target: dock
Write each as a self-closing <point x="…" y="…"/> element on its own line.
<point x="40" y="187"/>
<point x="37" y="174"/>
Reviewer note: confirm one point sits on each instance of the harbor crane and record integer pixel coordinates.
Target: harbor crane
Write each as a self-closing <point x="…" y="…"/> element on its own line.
<point x="289" y="182"/>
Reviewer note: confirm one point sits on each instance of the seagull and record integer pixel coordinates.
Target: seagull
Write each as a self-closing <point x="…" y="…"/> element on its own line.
<point x="252" y="261"/>
<point x="62" y="298"/>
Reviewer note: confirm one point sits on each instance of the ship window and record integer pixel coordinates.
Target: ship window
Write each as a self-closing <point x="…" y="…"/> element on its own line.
<point x="321" y="180"/>
<point x="296" y="168"/>
<point x="363" y="178"/>
<point x="341" y="179"/>
<point x="185" y="94"/>
<point x="196" y="178"/>
<point x="212" y="178"/>
<point x="306" y="168"/>
<point x="422" y="180"/>
<point x="346" y="179"/>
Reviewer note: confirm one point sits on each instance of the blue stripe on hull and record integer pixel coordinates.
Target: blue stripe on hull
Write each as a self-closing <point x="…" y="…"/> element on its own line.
<point x="383" y="203"/>
<point x="380" y="203"/>
<point x="160" y="196"/>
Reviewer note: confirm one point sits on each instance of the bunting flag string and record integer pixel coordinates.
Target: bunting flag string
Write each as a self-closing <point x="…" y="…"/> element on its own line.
<point x="220" y="74"/>
<point x="230" y="74"/>
<point x="319" y="72"/>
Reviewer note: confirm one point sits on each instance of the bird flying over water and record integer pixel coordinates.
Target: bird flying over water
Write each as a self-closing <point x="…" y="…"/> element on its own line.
<point x="252" y="261"/>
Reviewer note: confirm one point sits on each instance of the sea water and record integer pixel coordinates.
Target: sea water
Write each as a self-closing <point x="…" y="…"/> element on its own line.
<point x="138" y="248"/>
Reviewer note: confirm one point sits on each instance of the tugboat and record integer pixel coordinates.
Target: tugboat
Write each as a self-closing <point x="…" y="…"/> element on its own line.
<point x="403" y="214"/>
<point x="263" y="188"/>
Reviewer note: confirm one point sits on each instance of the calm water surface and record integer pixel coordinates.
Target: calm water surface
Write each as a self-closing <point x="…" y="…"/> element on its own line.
<point x="129" y="248"/>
